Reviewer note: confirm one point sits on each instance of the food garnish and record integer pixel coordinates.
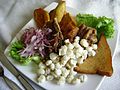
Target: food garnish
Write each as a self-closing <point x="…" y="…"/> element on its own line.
<point x="35" y="41"/>
<point x="101" y="24"/>
<point x="16" y="48"/>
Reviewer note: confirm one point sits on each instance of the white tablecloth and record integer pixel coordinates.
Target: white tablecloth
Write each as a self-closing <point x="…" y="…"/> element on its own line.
<point x="14" y="14"/>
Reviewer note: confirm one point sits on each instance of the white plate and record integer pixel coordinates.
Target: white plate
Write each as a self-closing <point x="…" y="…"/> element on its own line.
<point x="30" y="70"/>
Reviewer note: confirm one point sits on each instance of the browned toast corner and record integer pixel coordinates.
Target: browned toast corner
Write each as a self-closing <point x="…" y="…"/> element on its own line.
<point x="101" y="63"/>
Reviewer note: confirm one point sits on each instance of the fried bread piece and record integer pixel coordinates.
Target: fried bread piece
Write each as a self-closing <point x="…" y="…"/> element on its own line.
<point x="41" y="17"/>
<point x="101" y="63"/>
<point x="68" y="27"/>
<point x="58" y="12"/>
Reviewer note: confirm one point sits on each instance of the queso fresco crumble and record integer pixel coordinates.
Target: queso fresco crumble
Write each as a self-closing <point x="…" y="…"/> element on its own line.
<point x="60" y="66"/>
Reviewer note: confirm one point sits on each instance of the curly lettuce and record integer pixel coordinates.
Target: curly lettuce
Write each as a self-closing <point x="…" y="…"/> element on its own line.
<point x="101" y="24"/>
<point x="14" y="52"/>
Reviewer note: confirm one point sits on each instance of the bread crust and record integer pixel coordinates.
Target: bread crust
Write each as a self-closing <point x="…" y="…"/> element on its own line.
<point x="101" y="63"/>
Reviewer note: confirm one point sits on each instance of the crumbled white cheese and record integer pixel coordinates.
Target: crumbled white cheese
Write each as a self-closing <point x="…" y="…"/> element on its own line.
<point x="78" y="52"/>
<point x="47" y="71"/>
<point x="85" y="54"/>
<point x="70" y="46"/>
<point x="68" y="65"/>
<point x="53" y="56"/>
<point x="50" y="77"/>
<point x="58" y="72"/>
<point x="65" y="72"/>
<point x="69" y="79"/>
<point x="73" y="62"/>
<point x="65" y="57"/>
<point x="57" y="65"/>
<point x="80" y="60"/>
<point x="42" y="65"/>
<point x="64" y="60"/>
<point x="41" y="79"/>
<point x="77" y="38"/>
<point x="60" y="52"/>
<point x="61" y="80"/>
<point x="52" y="66"/>
<point x="84" y="43"/>
<point x="83" y="78"/>
<point x="41" y="71"/>
<point x="75" y="81"/>
<point x="56" y="60"/>
<point x="54" y="74"/>
<point x="72" y="72"/>
<point x="61" y="66"/>
<point x="70" y="54"/>
<point x="67" y="41"/>
<point x="76" y="44"/>
<point x="63" y="50"/>
<point x="89" y="49"/>
<point x="48" y="62"/>
<point x="94" y="46"/>
<point x="92" y="53"/>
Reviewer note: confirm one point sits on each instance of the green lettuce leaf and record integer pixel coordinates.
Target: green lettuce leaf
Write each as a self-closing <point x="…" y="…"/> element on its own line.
<point x="101" y="24"/>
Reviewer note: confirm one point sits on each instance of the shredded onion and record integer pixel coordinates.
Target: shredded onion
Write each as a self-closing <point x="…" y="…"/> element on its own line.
<point x="35" y="40"/>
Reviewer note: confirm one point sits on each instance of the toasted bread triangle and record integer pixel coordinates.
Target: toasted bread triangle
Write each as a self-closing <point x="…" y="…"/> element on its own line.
<point x="101" y="63"/>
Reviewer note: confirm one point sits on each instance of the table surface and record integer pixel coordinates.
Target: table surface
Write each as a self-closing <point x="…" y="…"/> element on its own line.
<point x="19" y="12"/>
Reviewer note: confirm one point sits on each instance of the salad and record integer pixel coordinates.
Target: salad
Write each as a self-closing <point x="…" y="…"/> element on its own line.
<point x="60" y="42"/>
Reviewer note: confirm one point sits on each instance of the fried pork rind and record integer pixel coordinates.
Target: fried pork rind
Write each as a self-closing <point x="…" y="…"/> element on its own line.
<point x="58" y="12"/>
<point x="41" y="17"/>
<point x="68" y="27"/>
<point x="56" y="36"/>
<point x="88" y="33"/>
